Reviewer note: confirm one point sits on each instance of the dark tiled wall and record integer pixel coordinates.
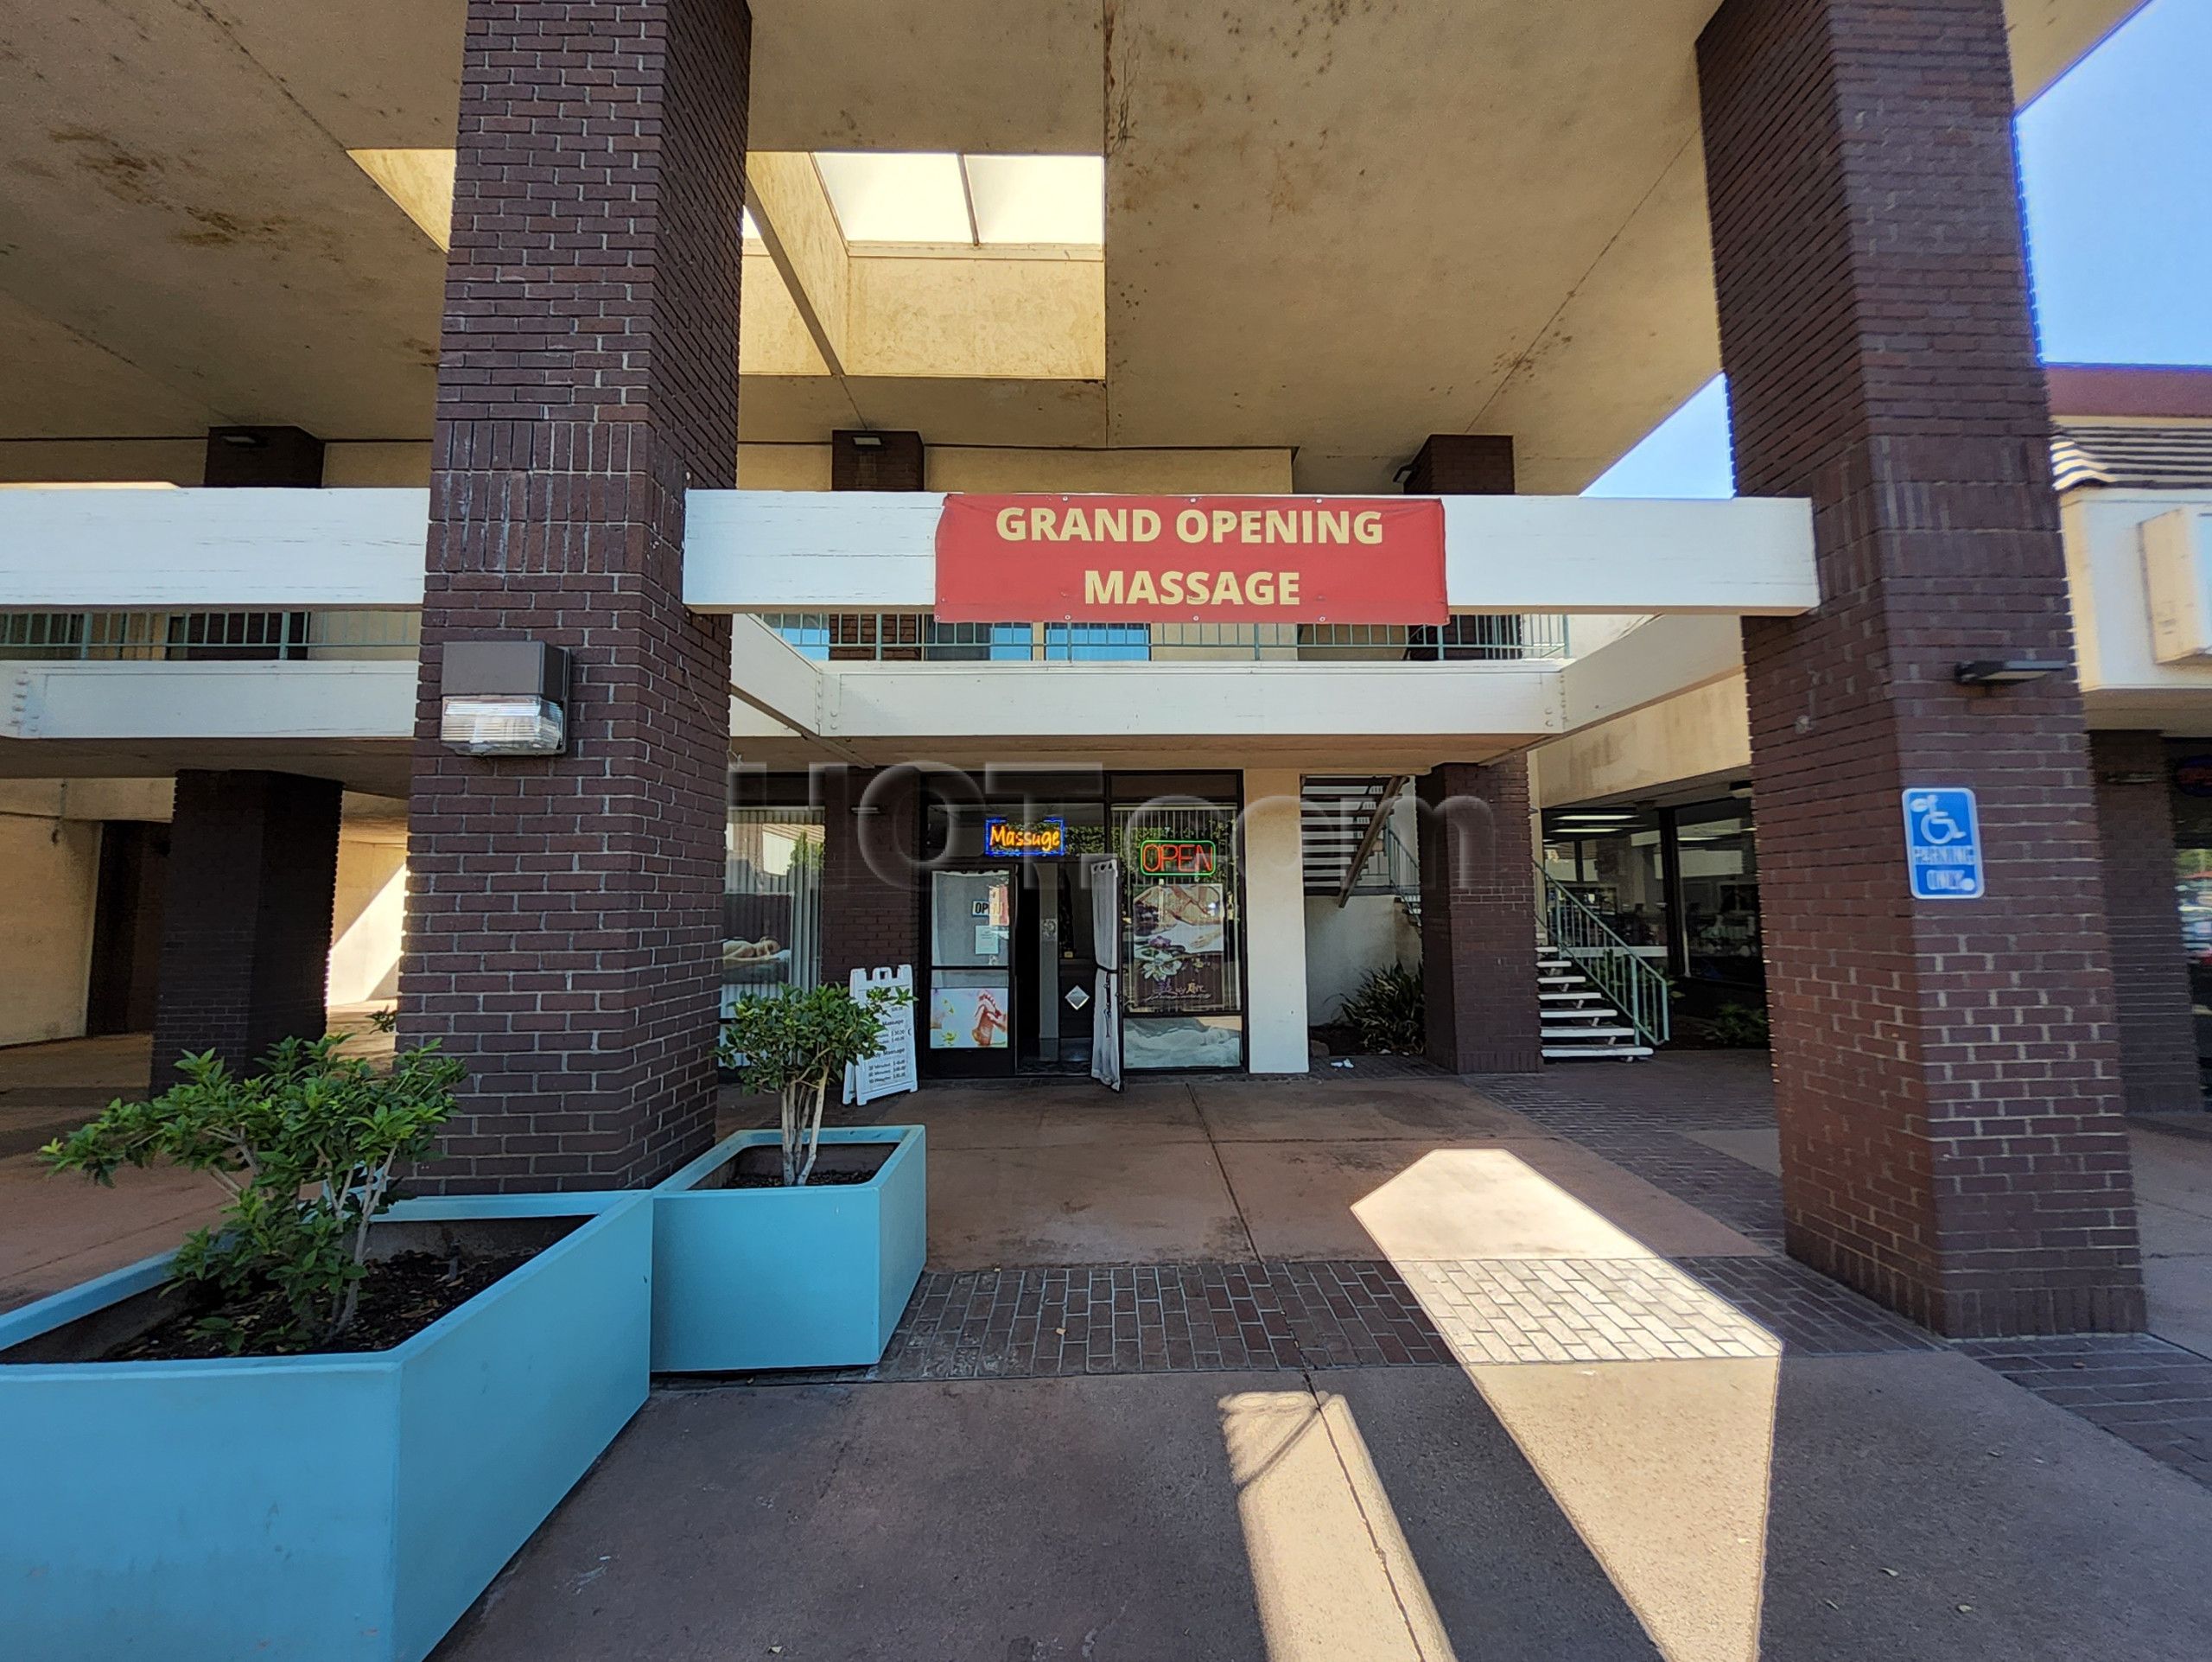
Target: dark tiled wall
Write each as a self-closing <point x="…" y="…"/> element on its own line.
<point x="566" y="912"/>
<point x="246" y="919"/>
<point x="2135" y="830"/>
<point x="1478" y="919"/>
<point x="1947" y="1072"/>
<point x="871" y="894"/>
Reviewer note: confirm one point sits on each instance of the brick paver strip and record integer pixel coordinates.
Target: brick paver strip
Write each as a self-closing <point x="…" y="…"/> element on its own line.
<point x="2144" y="1391"/>
<point x="1292" y="1314"/>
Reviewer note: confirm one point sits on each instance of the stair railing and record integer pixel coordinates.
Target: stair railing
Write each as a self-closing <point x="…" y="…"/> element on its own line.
<point x="1578" y="933"/>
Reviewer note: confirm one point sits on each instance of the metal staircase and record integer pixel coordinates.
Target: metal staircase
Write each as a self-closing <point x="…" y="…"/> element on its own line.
<point x="1602" y="1001"/>
<point x="1340" y="823"/>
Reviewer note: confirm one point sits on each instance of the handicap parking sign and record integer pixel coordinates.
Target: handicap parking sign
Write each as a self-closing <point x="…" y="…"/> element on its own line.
<point x="1942" y="843"/>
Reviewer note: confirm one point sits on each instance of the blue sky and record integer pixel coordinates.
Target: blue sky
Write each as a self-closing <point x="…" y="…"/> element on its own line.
<point x="2116" y="160"/>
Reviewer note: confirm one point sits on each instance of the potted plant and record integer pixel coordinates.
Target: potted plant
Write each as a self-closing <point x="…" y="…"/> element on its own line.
<point x="319" y="1429"/>
<point x="797" y="1247"/>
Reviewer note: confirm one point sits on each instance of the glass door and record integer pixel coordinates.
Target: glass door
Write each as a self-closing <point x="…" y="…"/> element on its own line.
<point x="971" y="971"/>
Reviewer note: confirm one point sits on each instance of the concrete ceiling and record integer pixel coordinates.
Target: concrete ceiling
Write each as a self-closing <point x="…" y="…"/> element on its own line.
<point x="1332" y="225"/>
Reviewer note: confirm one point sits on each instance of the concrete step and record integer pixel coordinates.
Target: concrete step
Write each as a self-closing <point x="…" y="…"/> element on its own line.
<point x="1595" y="1052"/>
<point x="1553" y="1030"/>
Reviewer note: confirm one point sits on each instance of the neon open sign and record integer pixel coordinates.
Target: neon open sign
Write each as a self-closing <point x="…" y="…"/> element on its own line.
<point x="1178" y="858"/>
<point x="1025" y="838"/>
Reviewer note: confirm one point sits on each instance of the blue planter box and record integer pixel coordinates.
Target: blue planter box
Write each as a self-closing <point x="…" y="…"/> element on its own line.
<point x="746" y="1278"/>
<point x="345" y="1507"/>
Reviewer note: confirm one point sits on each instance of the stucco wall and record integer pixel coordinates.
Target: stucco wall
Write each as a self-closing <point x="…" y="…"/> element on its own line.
<point x="1345" y="945"/>
<point x="367" y="921"/>
<point x="46" y="919"/>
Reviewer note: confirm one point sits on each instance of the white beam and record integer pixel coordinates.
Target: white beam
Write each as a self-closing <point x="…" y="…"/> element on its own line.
<point x="193" y="550"/>
<point x="1657" y="659"/>
<point x="790" y="551"/>
<point x="1063" y="701"/>
<point x="80" y="701"/>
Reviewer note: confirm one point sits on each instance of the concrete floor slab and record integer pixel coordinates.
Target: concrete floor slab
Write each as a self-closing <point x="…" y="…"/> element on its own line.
<point x="1101" y="1202"/>
<point x="2172" y="1171"/>
<point x="1707" y="1511"/>
<point x="1753" y="1145"/>
<point x="58" y="1231"/>
<point x="1328" y="1109"/>
<point x="1525" y="1197"/>
<point x="1045" y="1518"/>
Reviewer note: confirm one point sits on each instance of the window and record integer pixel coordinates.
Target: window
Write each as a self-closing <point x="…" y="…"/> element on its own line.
<point x="771" y="902"/>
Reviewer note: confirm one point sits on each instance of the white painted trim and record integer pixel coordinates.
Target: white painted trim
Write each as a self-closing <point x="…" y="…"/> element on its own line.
<point x="1657" y="659"/>
<point x="67" y="550"/>
<point x="297" y="549"/>
<point x="359" y="699"/>
<point x="800" y="551"/>
<point x="1510" y="702"/>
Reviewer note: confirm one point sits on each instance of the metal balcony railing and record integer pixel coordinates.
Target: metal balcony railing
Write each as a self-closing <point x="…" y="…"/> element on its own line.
<point x="1638" y="991"/>
<point x="911" y="637"/>
<point x="215" y="637"/>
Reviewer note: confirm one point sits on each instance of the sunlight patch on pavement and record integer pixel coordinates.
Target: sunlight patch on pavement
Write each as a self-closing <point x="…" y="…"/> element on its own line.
<point x="1643" y="1402"/>
<point x="1331" y="1572"/>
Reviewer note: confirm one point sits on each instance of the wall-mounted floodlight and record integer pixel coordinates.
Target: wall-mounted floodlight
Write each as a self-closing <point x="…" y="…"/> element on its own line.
<point x="2006" y="672"/>
<point x="504" y="698"/>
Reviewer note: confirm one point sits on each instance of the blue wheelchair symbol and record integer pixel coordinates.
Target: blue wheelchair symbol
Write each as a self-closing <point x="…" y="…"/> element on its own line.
<point x="1942" y="843"/>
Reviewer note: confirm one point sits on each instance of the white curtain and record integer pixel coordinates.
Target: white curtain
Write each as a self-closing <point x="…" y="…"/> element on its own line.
<point x="1106" y="947"/>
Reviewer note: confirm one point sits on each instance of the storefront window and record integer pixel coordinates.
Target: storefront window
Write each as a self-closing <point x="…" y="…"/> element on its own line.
<point x="1678" y="883"/>
<point x="771" y="902"/>
<point x="1181" y="976"/>
<point x="1720" y="894"/>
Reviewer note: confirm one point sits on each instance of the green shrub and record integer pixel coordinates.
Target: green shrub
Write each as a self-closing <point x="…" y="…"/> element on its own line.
<point x="1387" y="1013"/>
<point x="306" y="1149"/>
<point x="1738" y="1026"/>
<point x="796" y="1043"/>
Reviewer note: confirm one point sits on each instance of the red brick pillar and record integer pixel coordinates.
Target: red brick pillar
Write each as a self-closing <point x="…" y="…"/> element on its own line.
<point x="1478" y="919"/>
<point x="2135" y="835"/>
<point x="1478" y="891"/>
<point x="245" y="918"/>
<point x="1946" y="1071"/>
<point x="566" y="911"/>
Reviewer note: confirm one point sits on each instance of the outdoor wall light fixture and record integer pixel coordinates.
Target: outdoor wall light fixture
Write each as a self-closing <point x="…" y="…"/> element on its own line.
<point x="867" y="441"/>
<point x="504" y="698"/>
<point x="2006" y="672"/>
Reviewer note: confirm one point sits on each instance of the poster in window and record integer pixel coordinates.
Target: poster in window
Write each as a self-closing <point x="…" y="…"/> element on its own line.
<point x="1189" y="917"/>
<point x="967" y="1018"/>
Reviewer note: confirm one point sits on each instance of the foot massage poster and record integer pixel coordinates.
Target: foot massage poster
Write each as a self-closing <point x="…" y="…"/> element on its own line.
<point x="1178" y="944"/>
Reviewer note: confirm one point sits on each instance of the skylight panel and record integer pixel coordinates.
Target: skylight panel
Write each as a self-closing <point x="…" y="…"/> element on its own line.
<point x="1039" y="198"/>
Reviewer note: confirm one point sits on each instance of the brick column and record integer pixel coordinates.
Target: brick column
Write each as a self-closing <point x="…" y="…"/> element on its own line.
<point x="566" y="911"/>
<point x="246" y="919"/>
<point x="871" y="891"/>
<point x="1462" y="464"/>
<point x="1945" y="1073"/>
<point x="2135" y="838"/>
<point x="1477" y="892"/>
<point x="1478" y="919"/>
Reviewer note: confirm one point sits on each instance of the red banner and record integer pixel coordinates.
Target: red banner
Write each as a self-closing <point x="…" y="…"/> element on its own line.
<point x="1190" y="559"/>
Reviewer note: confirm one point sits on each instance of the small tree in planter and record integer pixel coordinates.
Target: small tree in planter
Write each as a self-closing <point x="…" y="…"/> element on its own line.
<point x="797" y="1044"/>
<point x="306" y="1149"/>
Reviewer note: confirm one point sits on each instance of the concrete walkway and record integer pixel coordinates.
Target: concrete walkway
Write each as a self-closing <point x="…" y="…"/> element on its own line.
<point x="1235" y="1470"/>
<point x="1376" y="1365"/>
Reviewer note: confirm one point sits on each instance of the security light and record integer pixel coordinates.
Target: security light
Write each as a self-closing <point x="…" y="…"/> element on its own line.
<point x="2004" y="671"/>
<point x="867" y="441"/>
<point x="504" y="698"/>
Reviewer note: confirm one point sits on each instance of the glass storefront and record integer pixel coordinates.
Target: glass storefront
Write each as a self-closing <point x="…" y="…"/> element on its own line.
<point x="1013" y="933"/>
<point x="1181" y="975"/>
<point x="771" y="901"/>
<point x="1679" y="883"/>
